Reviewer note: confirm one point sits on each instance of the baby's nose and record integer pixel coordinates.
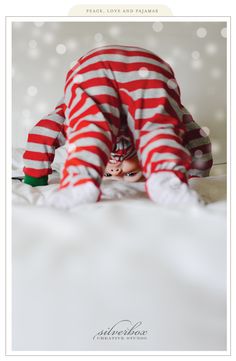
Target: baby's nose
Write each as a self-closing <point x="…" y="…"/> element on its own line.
<point x="115" y="171"/>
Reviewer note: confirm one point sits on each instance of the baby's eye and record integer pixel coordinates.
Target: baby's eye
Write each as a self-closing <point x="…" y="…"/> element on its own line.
<point x="131" y="174"/>
<point x="107" y="175"/>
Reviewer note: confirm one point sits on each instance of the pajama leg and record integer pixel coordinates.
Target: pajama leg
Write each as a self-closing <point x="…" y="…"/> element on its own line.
<point x="158" y="133"/>
<point x="93" y="123"/>
<point x="199" y="145"/>
<point x="47" y="135"/>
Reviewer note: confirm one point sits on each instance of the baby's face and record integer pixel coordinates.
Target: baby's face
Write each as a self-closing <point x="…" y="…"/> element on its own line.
<point x="127" y="170"/>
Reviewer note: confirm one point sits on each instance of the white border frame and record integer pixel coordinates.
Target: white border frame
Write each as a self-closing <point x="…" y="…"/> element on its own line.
<point x="8" y="300"/>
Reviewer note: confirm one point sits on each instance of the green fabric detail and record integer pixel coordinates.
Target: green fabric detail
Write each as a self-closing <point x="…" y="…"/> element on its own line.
<point x="34" y="182"/>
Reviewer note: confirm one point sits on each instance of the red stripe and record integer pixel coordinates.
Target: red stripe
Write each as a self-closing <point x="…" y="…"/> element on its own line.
<point x="161" y="136"/>
<point x="192" y="135"/>
<point x="43" y="139"/>
<point x="49" y="124"/>
<point x="92" y="110"/>
<point x="37" y="173"/>
<point x="38" y="156"/>
<point x="78" y="162"/>
<point x="178" y="162"/>
<point x="125" y="67"/>
<point x="72" y="70"/>
<point x="148" y="103"/>
<point x="125" y="52"/>
<point x="205" y="148"/>
<point x="73" y="93"/>
<point x="80" y="103"/>
<point x="98" y="99"/>
<point x="61" y="107"/>
<point x="186" y="159"/>
<point x="130" y="86"/>
<point x="103" y="125"/>
<point x="158" y="119"/>
<point x="96" y="135"/>
<point x="181" y="175"/>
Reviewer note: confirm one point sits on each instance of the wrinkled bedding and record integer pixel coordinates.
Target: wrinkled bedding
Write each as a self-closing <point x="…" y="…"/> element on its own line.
<point x="78" y="272"/>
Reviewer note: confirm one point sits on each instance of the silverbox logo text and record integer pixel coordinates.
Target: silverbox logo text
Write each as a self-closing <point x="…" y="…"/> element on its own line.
<point x="122" y="330"/>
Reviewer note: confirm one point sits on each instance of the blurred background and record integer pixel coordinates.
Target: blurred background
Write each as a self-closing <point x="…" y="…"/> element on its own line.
<point x="43" y="53"/>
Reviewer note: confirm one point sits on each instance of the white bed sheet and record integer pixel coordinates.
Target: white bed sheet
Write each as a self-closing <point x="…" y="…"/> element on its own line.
<point x="124" y="258"/>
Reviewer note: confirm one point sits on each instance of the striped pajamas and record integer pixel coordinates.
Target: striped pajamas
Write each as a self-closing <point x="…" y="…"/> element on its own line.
<point x="109" y="89"/>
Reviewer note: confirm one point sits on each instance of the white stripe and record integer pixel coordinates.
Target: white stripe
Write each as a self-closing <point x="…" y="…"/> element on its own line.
<point x="162" y="142"/>
<point x="41" y="148"/>
<point x="124" y="58"/>
<point x="89" y="141"/>
<point x="87" y="156"/>
<point x="154" y="93"/>
<point x="196" y="142"/>
<point x="36" y="164"/>
<point x="198" y="172"/>
<point x="89" y="102"/>
<point x="146" y="137"/>
<point x="90" y="128"/>
<point x="37" y="130"/>
<point x="54" y="117"/>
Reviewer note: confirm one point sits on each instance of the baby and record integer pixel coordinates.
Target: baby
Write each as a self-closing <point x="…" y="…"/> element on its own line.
<point x="121" y="117"/>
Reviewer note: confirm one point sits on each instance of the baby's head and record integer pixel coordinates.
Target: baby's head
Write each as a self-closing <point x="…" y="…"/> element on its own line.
<point x="128" y="170"/>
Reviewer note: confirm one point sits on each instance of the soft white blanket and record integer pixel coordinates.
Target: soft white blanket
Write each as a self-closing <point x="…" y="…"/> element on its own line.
<point x="124" y="258"/>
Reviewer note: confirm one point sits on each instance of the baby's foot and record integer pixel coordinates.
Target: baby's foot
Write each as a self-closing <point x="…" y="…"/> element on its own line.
<point x="73" y="196"/>
<point x="165" y="188"/>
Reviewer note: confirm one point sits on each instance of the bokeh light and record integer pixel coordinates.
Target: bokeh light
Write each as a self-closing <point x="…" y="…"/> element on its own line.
<point x="34" y="53"/>
<point x="201" y="33"/>
<point x="143" y="72"/>
<point x="98" y="37"/>
<point x="157" y="26"/>
<point x="215" y="72"/>
<point x="224" y="32"/>
<point x="71" y="147"/>
<point x="197" y="64"/>
<point x="198" y="153"/>
<point x="172" y="84"/>
<point x="53" y="61"/>
<point x="33" y="44"/>
<point x="26" y="113"/>
<point x="47" y="75"/>
<point x="32" y="90"/>
<point x="114" y="31"/>
<point x="48" y="38"/>
<point x="72" y="44"/>
<point x="195" y="55"/>
<point x="216" y="147"/>
<point x="78" y="78"/>
<point x="211" y="48"/>
<point x="39" y="24"/>
<point x="61" y="49"/>
<point x="205" y="131"/>
<point x="220" y="115"/>
<point x="41" y="107"/>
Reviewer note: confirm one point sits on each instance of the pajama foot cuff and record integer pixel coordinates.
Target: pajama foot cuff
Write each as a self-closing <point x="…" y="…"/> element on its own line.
<point x="167" y="189"/>
<point x="34" y="182"/>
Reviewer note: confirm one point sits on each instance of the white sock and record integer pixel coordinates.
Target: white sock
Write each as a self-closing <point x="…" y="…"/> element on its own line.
<point x="165" y="188"/>
<point x="70" y="197"/>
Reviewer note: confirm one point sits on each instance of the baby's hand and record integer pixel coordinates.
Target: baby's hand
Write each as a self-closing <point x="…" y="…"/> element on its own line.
<point x="165" y="188"/>
<point x="73" y="196"/>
